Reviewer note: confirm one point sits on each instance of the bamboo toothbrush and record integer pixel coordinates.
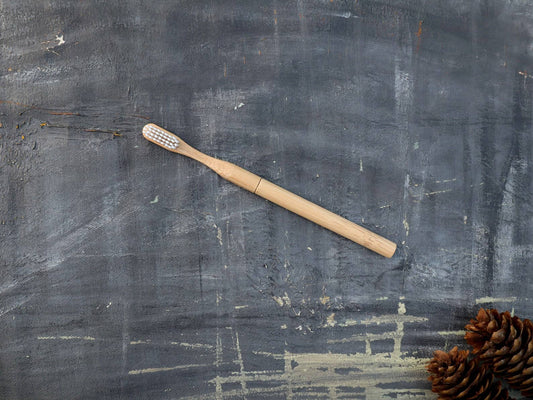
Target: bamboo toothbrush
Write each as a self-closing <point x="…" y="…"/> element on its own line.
<point x="273" y="193"/>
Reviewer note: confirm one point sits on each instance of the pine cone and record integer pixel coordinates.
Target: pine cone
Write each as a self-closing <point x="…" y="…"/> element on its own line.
<point x="454" y="377"/>
<point x="506" y="344"/>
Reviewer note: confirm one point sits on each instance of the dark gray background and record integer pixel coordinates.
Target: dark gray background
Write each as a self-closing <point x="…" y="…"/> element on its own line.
<point x="129" y="272"/>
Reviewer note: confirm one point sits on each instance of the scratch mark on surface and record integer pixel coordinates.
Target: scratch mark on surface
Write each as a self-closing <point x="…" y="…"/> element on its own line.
<point x="241" y="307"/>
<point x="360" y="165"/>
<point x="419" y="35"/>
<point x="16" y="303"/>
<point x="64" y="113"/>
<point x="165" y="369"/>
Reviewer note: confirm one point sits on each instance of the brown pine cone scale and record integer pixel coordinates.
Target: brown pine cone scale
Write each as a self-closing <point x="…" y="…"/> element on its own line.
<point x="454" y="376"/>
<point x="505" y="343"/>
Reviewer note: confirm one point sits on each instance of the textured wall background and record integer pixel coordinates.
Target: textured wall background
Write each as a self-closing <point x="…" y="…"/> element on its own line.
<point x="130" y="272"/>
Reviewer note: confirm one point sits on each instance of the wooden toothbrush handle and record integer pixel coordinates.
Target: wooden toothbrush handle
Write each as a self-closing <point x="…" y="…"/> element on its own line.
<point x="325" y="218"/>
<point x="304" y="208"/>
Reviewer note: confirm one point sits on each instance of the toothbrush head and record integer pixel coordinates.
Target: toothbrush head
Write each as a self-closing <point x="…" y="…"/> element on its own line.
<point x="161" y="137"/>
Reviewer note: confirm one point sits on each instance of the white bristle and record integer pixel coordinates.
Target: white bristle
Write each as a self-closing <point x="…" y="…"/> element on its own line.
<point x="160" y="137"/>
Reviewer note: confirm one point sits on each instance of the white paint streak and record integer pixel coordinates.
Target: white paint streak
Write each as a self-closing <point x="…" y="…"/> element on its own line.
<point x="165" y="369"/>
<point x="484" y="300"/>
<point x="331" y="374"/>
<point x="136" y="342"/>
<point x="401" y="308"/>
<point x="330" y="321"/>
<point x="452" y="333"/>
<point x="403" y="94"/>
<point x="194" y="346"/>
<point x="384" y="319"/>
<point x="155" y="200"/>
<point x="346" y="14"/>
<point x="361" y="165"/>
<point x="219" y="235"/>
<point x="406" y="226"/>
<point x="238" y="106"/>
<point x="218" y="360"/>
<point x="366" y="337"/>
<point x="446" y="180"/>
<point x="240" y="362"/>
<point x="318" y="371"/>
<point x="60" y="40"/>
<point x="87" y="338"/>
<point x="278" y="300"/>
<point x="437" y="192"/>
<point x="283" y="300"/>
<point x="268" y="354"/>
